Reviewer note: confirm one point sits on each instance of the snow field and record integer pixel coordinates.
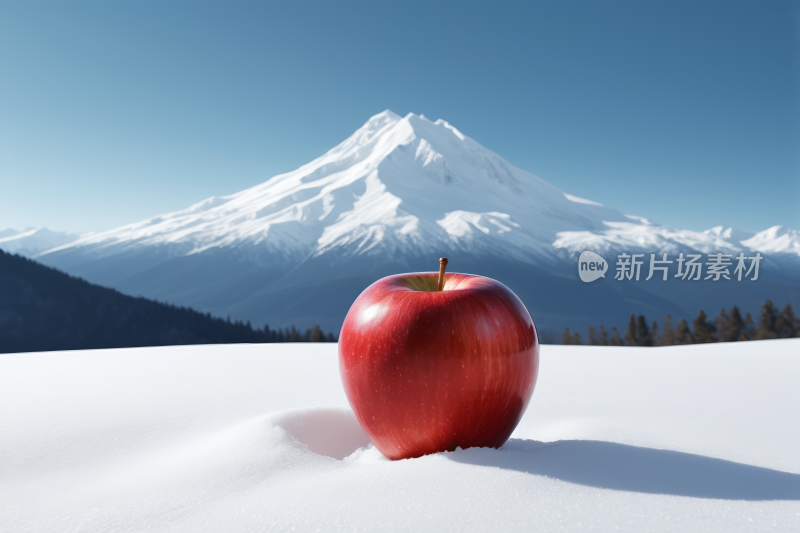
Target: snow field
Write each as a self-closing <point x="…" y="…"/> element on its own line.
<point x="260" y="438"/>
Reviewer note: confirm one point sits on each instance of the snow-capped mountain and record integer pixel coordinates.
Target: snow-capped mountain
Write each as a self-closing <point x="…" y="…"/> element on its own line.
<point x="395" y="196"/>
<point x="639" y="234"/>
<point x="33" y="241"/>
<point x="733" y="235"/>
<point x="775" y="240"/>
<point x="398" y="184"/>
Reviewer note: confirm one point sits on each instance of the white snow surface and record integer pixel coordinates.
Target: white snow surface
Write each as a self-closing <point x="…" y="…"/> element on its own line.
<point x="261" y="438"/>
<point x="32" y="241"/>
<point x="400" y="184"/>
<point x="776" y="239"/>
<point x="729" y="234"/>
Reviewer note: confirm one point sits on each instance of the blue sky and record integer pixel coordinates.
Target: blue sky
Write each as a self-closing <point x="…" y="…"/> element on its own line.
<point x="682" y="112"/>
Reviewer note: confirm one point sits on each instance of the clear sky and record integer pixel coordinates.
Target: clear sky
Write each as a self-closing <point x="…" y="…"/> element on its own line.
<point x="682" y="112"/>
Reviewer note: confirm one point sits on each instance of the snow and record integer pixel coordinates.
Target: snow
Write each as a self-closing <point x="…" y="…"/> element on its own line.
<point x="642" y="235"/>
<point x="387" y="188"/>
<point x="460" y="223"/>
<point x="579" y="200"/>
<point x="729" y="234"/>
<point x="32" y="241"/>
<point x="260" y="438"/>
<point x="776" y="239"/>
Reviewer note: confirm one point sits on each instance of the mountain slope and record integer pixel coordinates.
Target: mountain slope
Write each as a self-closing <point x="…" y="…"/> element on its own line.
<point x="33" y="241"/>
<point x="393" y="197"/>
<point x="42" y="309"/>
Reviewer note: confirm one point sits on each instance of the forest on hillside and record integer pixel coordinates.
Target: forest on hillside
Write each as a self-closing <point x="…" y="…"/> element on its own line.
<point x="43" y="309"/>
<point x="728" y="326"/>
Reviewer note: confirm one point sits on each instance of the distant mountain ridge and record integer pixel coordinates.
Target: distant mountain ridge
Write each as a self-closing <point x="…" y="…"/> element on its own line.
<point x="396" y="195"/>
<point x="33" y="241"/>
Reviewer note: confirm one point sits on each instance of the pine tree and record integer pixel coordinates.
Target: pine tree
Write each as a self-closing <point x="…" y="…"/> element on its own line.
<point x="566" y="337"/>
<point x="668" y="335"/>
<point x="683" y="335"/>
<point x="642" y="333"/>
<point x="315" y="334"/>
<point x="293" y="335"/>
<point x="630" y="334"/>
<point x="576" y="338"/>
<point x="703" y="330"/>
<point x="602" y="339"/>
<point x="749" y="327"/>
<point x="731" y="327"/>
<point x="654" y="337"/>
<point x="591" y="340"/>
<point x="786" y="326"/>
<point x="722" y="323"/>
<point x="767" y="323"/>
<point x="616" y="340"/>
<point x="738" y="325"/>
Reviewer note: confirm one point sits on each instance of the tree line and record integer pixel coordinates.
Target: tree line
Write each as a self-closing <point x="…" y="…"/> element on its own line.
<point x="312" y="334"/>
<point x="43" y="309"/>
<point x="728" y="326"/>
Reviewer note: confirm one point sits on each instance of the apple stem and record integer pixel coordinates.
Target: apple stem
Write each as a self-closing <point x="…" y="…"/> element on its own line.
<point x="442" y="267"/>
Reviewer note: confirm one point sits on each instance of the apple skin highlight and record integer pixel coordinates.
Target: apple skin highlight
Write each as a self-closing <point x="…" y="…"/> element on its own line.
<point x="427" y="371"/>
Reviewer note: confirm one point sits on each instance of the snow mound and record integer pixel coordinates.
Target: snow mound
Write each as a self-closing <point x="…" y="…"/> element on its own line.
<point x="333" y="433"/>
<point x="260" y="437"/>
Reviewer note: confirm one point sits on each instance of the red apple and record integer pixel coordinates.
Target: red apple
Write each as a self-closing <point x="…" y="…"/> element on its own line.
<point x="427" y="370"/>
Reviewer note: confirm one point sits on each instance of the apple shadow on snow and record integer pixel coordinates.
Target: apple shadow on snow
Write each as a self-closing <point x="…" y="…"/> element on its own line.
<point x="333" y="433"/>
<point x="611" y="465"/>
<point x="336" y="433"/>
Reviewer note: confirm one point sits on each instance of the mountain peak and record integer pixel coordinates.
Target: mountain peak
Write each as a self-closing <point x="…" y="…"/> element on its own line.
<point x="403" y="183"/>
<point x="31" y="241"/>
<point x="411" y="185"/>
<point x="384" y="117"/>
<point x="775" y="239"/>
<point x="732" y="235"/>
